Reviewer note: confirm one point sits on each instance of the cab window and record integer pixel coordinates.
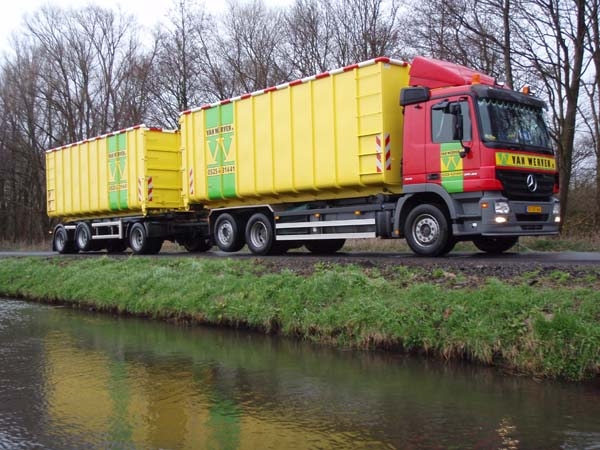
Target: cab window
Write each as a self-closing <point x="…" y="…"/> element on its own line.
<point x="444" y="121"/>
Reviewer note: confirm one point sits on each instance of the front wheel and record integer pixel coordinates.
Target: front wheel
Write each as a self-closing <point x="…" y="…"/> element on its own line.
<point x="427" y="231"/>
<point x="495" y="245"/>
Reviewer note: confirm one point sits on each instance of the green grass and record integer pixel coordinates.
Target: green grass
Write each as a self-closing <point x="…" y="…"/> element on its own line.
<point x="550" y="328"/>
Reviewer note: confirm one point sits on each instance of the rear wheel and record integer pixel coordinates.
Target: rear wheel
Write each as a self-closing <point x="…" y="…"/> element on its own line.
<point x="138" y="239"/>
<point x="260" y="236"/>
<point x="427" y="231"/>
<point x="325" y="247"/>
<point x="83" y="237"/>
<point x="228" y="233"/>
<point x="495" y="245"/>
<point x="61" y="242"/>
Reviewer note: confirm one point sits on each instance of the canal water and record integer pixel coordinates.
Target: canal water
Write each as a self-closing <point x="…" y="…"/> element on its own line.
<point x="75" y="380"/>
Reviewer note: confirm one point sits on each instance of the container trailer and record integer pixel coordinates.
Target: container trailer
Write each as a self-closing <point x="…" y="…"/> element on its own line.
<point x="121" y="190"/>
<point x="432" y="152"/>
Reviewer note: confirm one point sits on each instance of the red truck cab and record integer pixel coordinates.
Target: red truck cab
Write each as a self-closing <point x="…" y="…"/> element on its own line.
<point x="481" y="150"/>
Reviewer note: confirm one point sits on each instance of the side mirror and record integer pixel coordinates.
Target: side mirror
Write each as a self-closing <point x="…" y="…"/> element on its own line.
<point x="413" y="95"/>
<point x="456" y="112"/>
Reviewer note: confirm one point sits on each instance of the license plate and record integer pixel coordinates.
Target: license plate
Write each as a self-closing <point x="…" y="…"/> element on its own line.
<point x="531" y="209"/>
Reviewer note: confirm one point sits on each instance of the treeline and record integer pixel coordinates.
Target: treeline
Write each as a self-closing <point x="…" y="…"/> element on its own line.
<point x="77" y="73"/>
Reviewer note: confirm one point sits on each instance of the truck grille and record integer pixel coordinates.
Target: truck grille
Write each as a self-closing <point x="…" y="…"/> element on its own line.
<point x="515" y="184"/>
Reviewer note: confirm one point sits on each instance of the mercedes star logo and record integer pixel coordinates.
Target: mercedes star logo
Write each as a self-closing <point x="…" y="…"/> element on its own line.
<point x="532" y="183"/>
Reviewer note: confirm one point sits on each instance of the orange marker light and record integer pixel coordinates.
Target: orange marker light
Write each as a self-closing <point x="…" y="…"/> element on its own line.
<point x="476" y="78"/>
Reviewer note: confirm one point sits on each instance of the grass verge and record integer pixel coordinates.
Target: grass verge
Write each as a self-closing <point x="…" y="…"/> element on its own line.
<point x="542" y="325"/>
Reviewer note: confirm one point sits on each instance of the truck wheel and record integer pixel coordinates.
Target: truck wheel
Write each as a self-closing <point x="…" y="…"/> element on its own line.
<point x="427" y="231"/>
<point x="138" y="239"/>
<point x="495" y="245"/>
<point x="228" y="233"/>
<point x="325" y="247"/>
<point x="260" y="236"/>
<point x="83" y="237"/>
<point x="61" y="242"/>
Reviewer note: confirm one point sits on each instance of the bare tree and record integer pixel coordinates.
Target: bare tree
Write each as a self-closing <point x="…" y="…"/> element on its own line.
<point x="365" y="29"/>
<point x="22" y="190"/>
<point x="310" y="30"/>
<point x="72" y="74"/>
<point x="474" y="33"/>
<point x="591" y="115"/>
<point x="91" y="70"/>
<point x="177" y="82"/>
<point x="252" y="46"/>
<point x="551" y="38"/>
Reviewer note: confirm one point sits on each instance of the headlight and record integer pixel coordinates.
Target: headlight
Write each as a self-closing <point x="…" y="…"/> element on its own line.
<point x="502" y="208"/>
<point x="556" y="209"/>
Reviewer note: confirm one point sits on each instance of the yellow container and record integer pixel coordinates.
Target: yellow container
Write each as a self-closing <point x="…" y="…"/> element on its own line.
<point x="133" y="171"/>
<point x="333" y="135"/>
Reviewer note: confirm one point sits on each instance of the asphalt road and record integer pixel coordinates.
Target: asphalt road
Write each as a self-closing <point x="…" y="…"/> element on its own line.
<point x="454" y="258"/>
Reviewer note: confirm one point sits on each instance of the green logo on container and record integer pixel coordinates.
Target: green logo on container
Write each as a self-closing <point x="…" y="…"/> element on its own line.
<point x="221" y="167"/>
<point x="117" y="172"/>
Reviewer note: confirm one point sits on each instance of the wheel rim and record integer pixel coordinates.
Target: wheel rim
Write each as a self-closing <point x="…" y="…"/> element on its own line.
<point x="82" y="238"/>
<point x="426" y="230"/>
<point x="60" y="241"/>
<point x="137" y="239"/>
<point x="225" y="233"/>
<point x="258" y="235"/>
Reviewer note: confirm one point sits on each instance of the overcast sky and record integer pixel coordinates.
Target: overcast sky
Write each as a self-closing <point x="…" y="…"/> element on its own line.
<point x="13" y="12"/>
<point x="149" y="12"/>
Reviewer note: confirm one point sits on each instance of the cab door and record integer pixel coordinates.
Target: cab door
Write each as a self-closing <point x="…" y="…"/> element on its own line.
<point x="449" y="142"/>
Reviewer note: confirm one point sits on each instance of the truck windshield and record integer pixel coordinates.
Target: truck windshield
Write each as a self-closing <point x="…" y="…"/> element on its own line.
<point x="513" y="125"/>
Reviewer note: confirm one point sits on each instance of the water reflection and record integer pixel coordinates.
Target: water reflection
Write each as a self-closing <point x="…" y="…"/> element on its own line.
<point x="76" y="380"/>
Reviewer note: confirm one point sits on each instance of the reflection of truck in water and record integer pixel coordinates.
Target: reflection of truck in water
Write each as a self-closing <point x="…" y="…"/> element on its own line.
<point x="317" y="161"/>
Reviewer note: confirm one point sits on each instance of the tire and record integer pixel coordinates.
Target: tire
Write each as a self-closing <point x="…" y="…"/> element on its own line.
<point x="228" y="234"/>
<point x="427" y="231"/>
<point x="83" y="237"/>
<point x="325" y="247"/>
<point x="139" y="242"/>
<point x="260" y="235"/>
<point x="495" y="245"/>
<point x="197" y="244"/>
<point x="61" y="242"/>
<point x="116" y="246"/>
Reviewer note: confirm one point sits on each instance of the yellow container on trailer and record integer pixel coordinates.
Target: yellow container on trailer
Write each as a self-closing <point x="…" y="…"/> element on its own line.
<point x="333" y="135"/>
<point x="129" y="172"/>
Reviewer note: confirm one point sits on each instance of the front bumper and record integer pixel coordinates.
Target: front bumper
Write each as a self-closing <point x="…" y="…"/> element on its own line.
<point x="498" y="216"/>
